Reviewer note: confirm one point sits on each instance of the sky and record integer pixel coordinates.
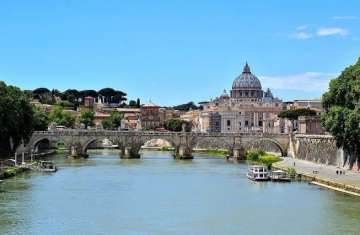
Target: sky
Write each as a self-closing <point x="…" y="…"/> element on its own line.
<point x="173" y="52"/>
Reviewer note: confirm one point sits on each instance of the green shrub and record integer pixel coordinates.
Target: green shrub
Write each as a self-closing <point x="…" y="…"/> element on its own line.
<point x="292" y="172"/>
<point x="253" y="155"/>
<point x="261" y="157"/>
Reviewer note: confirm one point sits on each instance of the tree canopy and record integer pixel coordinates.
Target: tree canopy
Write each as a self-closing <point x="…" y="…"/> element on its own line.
<point x="41" y="120"/>
<point x="112" y="122"/>
<point x="342" y="112"/>
<point x="40" y="91"/>
<point x="59" y="116"/>
<point x="294" y="114"/>
<point x="175" y="124"/>
<point x="186" y="107"/>
<point x="87" y="118"/>
<point x="16" y="118"/>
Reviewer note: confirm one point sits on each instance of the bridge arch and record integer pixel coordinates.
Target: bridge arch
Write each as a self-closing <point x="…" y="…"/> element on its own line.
<point x="260" y="143"/>
<point x="38" y="141"/>
<point x="92" y="140"/>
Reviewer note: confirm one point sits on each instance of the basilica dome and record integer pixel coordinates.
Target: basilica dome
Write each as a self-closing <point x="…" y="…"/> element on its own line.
<point x="246" y="80"/>
<point x="246" y="85"/>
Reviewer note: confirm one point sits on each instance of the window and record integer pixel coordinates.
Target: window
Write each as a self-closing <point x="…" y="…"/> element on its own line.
<point x="228" y="123"/>
<point x="246" y="123"/>
<point x="260" y="123"/>
<point x="240" y="125"/>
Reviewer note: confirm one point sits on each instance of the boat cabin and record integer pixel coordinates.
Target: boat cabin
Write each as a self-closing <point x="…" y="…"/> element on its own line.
<point x="258" y="173"/>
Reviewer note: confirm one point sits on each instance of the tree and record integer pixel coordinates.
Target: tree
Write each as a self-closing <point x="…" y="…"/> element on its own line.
<point x="41" y="120"/>
<point x="41" y="91"/>
<point x="16" y="118"/>
<point x="186" y="107"/>
<point x="87" y="118"/>
<point x="132" y="103"/>
<point x="71" y="95"/>
<point x="294" y="114"/>
<point x="342" y="112"/>
<point x="61" y="117"/>
<point x="176" y="124"/>
<point x="44" y="95"/>
<point x="138" y="103"/>
<point x="112" y="122"/>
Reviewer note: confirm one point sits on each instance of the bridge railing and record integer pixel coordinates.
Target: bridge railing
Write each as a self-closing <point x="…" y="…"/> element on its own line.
<point x="82" y="132"/>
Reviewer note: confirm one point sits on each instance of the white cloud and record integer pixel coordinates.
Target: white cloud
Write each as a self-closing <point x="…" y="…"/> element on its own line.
<point x="302" y="35"/>
<point x="329" y="31"/>
<point x="307" y="82"/>
<point x="345" y="18"/>
<point x="302" y="32"/>
<point x="301" y="27"/>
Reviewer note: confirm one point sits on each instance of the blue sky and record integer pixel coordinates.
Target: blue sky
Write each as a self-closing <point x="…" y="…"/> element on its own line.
<point x="177" y="51"/>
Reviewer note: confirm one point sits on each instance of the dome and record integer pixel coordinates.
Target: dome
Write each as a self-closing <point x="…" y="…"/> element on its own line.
<point x="246" y="86"/>
<point x="246" y="80"/>
<point x="224" y="95"/>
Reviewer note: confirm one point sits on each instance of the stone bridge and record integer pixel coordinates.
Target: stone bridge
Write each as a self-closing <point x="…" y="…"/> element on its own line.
<point x="130" y="142"/>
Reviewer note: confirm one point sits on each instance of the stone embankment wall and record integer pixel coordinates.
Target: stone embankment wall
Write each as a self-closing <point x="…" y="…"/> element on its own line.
<point x="316" y="148"/>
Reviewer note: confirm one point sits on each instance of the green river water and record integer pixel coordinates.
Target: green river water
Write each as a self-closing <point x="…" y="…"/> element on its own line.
<point x="159" y="195"/>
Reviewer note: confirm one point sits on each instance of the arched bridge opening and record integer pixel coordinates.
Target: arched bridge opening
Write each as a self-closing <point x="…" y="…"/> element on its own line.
<point x="266" y="145"/>
<point x="41" y="145"/>
<point x="99" y="143"/>
<point x="158" y="145"/>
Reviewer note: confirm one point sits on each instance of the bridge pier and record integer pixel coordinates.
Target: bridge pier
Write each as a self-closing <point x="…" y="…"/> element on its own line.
<point x="238" y="154"/>
<point x="129" y="153"/>
<point x="183" y="153"/>
<point x="76" y="151"/>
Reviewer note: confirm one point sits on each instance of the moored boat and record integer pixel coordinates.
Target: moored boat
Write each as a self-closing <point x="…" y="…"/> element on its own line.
<point x="280" y="176"/>
<point x="47" y="166"/>
<point x="258" y="173"/>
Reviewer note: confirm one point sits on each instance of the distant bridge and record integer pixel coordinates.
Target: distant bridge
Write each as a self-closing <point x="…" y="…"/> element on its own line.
<point x="130" y="142"/>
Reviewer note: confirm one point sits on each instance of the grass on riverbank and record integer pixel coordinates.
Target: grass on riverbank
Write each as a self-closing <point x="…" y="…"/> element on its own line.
<point x="262" y="157"/>
<point x="215" y="152"/>
<point x="11" y="171"/>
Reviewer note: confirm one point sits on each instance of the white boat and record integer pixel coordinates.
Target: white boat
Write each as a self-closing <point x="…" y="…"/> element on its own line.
<point x="280" y="176"/>
<point x="258" y="173"/>
<point x="47" y="166"/>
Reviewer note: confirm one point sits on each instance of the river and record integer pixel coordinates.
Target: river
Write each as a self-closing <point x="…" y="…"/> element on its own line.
<point x="159" y="195"/>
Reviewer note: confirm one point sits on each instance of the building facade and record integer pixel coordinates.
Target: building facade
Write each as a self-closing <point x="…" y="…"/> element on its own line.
<point x="150" y="116"/>
<point x="247" y="108"/>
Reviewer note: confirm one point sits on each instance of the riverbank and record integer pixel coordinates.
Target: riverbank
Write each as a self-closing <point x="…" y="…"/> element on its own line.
<point x="261" y="157"/>
<point x="323" y="175"/>
<point x="216" y="152"/>
<point x="12" y="171"/>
